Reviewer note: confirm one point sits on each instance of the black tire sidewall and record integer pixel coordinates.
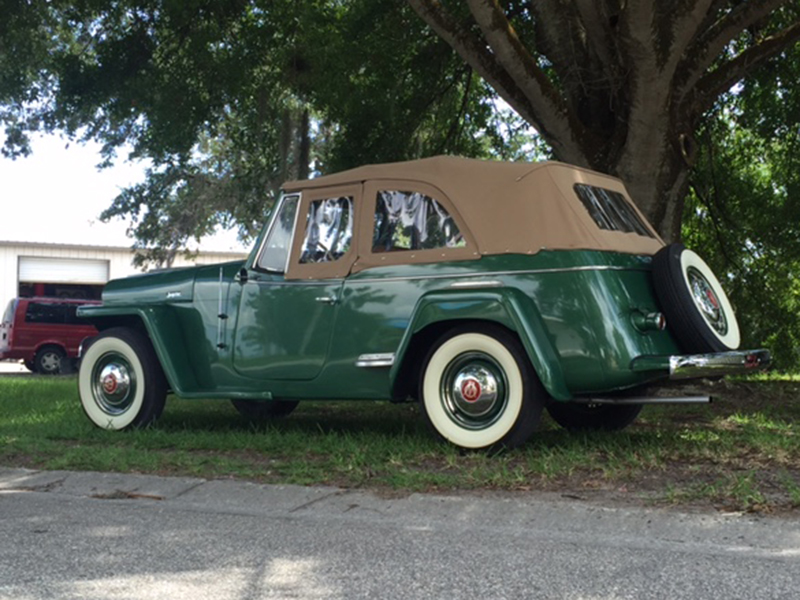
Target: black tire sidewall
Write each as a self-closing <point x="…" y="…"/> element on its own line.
<point x="257" y="411"/>
<point x="603" y="417"/>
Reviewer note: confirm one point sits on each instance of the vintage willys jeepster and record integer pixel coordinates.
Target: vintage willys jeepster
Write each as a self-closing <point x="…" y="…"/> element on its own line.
<point x="487" y="291"/>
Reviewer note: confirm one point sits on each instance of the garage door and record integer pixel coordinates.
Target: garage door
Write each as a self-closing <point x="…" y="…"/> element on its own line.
<point x="62" y="270"/>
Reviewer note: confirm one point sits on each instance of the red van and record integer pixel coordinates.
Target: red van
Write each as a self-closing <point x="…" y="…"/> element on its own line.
<point x="42" y="331"/>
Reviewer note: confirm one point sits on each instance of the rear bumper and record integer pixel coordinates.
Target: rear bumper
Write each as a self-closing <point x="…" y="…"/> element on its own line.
<point x="691" y="366"/>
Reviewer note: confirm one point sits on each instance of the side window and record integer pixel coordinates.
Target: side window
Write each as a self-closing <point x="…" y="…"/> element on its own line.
<point x="45" y="313"/>
<point x="275" y="253"/>
<point x="329" y="230"/>
<point x="610" y="210"/>
<point x="412" y="221"/>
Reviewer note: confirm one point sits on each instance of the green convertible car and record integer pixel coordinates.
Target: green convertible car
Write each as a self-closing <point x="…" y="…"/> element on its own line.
<point x="486" y="291"/>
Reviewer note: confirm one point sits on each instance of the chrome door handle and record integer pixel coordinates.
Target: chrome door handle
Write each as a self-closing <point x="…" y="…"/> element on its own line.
<point x="326" y="299"/>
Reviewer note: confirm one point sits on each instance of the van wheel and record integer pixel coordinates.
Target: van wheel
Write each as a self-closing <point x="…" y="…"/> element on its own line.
<point x="121" y="382"/>
<point x="478" y="389"/>
<point x="48" y="360"/>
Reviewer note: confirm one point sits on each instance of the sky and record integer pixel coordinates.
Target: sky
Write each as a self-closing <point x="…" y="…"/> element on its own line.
<point x="56" y="195"/>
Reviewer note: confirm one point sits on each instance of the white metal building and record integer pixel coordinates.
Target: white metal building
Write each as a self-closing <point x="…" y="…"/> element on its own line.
<point x="63" y="270"/>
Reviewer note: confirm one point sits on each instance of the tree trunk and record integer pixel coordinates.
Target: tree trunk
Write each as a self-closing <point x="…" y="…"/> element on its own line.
<point x="618" y="86"/>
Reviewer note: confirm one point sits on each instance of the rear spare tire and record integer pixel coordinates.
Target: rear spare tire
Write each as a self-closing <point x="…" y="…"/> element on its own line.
<point x="698" y="311"/>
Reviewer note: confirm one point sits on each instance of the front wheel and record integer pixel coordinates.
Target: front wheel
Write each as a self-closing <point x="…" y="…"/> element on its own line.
<point x="120" y="381"/>
<point x="478" y="389"/>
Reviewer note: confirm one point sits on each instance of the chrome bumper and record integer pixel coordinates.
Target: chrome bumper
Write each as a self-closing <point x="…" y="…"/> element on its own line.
<point x="691" y="366"/>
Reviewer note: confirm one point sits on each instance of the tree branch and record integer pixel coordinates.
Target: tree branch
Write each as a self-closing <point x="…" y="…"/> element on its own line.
<point x="709" y="88"/>
<point x="711" y="43"/>
<point x="559" y="123"/>
<point x="596" y="24"/>
<point x="536" y="109"/>
<point x="685" y="29"/>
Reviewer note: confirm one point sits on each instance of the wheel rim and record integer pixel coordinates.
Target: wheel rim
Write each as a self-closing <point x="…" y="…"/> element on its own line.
<point x="50" y="361"/>
<point x="474" y="390"/>
<point x="706" y="300"/>
<point x="113" y="383"/>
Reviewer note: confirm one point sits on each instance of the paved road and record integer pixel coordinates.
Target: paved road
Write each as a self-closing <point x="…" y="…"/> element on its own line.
<point x="109" y="536"/>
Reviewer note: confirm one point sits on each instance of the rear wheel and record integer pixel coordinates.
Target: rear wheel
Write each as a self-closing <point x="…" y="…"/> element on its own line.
<point x="48" y="360"/>
<point x="478" y="389"/>
<point x="588" y="417"/>
<point x="260" y="411"/>
<point x="121" y="382"/>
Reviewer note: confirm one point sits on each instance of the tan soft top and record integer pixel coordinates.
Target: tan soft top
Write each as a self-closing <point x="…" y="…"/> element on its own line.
<point x="510" y="207"/>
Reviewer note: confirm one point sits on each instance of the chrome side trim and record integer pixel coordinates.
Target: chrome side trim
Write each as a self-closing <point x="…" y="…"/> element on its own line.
<point x="385" y="359"/>
<point x="495" y="274"/>
<point x="468" y="285"/>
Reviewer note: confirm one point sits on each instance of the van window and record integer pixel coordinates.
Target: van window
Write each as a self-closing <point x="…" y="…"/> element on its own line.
<point x="8" y="316"/>
<point x="51" y="313"/>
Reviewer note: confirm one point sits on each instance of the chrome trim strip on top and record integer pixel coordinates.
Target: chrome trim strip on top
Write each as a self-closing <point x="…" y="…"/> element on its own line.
<point x="385" y="359"/>
<point x="496" y="274"/>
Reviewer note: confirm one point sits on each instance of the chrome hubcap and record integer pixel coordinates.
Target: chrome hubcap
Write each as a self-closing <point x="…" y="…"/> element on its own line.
<point x="473" y="390"/>
<point x="114" y="384"/>
<point x="706" y="301"/>
<point x="50" y="361"/>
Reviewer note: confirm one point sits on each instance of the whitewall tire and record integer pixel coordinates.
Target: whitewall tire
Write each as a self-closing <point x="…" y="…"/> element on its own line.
<point x="699" y="313"/>
<point x="120" y="381"/>
<point x="478" y="389"/>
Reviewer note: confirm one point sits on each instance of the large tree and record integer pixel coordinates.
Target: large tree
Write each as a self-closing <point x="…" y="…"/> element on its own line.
<point x="618" y="85"/>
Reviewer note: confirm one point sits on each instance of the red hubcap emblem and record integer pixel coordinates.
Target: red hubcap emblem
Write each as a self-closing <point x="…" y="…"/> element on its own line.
<point x="471" y="390"/>
<point x="712" y="298"/>
<point x="110" y="384"/>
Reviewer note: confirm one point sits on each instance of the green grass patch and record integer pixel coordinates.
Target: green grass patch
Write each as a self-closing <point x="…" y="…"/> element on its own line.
<point x="742" y="452"/>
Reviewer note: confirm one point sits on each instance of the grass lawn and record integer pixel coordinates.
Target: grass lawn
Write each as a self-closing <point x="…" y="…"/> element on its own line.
<point x="740" y="453"/>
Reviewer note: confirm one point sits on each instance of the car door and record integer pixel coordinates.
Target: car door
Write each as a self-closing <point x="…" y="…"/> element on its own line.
<point x="291" y="291"/>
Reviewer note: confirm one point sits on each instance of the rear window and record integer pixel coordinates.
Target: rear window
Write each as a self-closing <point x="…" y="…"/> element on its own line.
<point x="8" y="316"/>
<point x="610" y="210"/>
<point x="51" y="313"/>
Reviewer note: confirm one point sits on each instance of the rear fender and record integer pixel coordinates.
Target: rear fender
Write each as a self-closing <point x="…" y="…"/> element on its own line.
<point x="506" y="306"/>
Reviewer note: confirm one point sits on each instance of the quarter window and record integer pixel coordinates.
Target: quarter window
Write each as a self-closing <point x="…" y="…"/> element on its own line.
<point x="50" y="313"/>
<point x="610" y="210"/>
<point x="412" y="221"/>
<point x="329" y="230"/>
<point x="275" y="254"/>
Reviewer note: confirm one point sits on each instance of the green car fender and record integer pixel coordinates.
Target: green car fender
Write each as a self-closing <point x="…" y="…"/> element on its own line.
<point x="506" y="306"/>
<point x="164" y="332"/>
